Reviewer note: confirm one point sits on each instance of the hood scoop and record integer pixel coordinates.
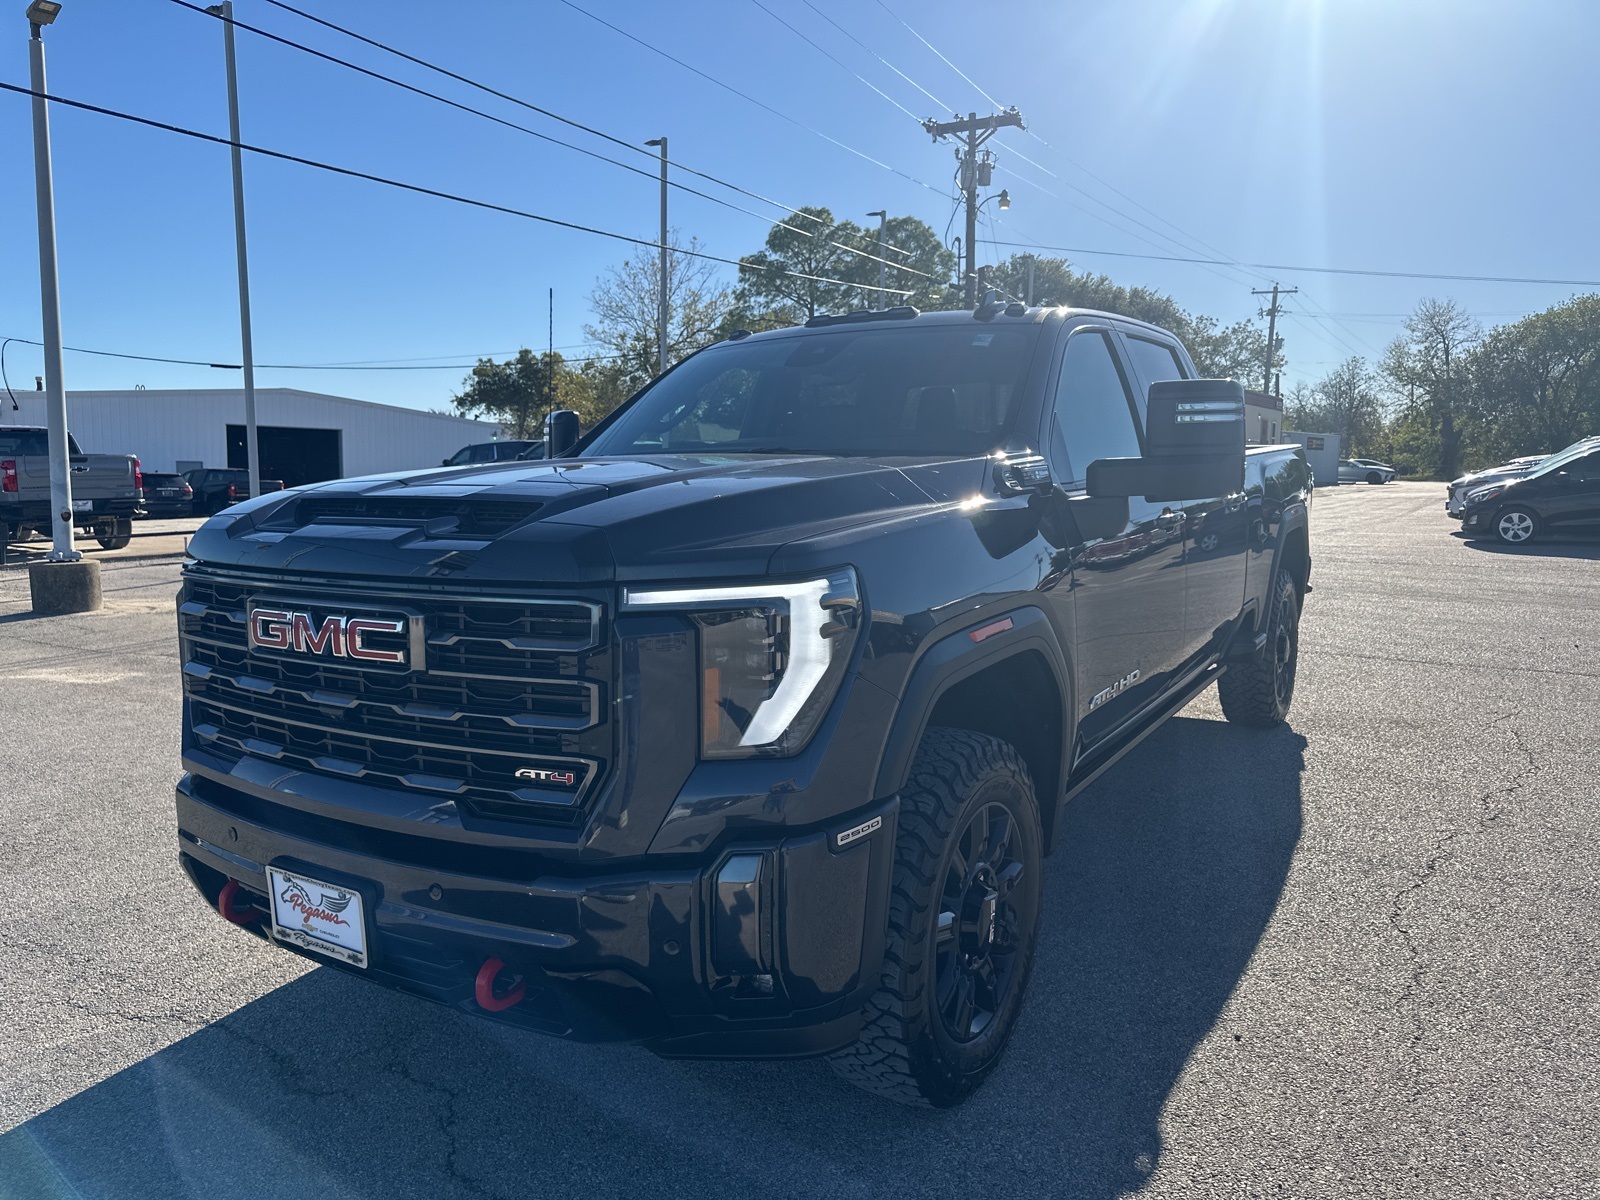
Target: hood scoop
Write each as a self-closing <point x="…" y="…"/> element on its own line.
<point x="458" y="516"/>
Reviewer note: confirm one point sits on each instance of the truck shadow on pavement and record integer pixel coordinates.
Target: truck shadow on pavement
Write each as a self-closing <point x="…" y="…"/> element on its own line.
<point x="1168" y="873"/>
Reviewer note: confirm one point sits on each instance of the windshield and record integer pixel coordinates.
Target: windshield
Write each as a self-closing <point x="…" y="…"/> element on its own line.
<point x="929" y="390"/>
<point x="1562" y="457"/>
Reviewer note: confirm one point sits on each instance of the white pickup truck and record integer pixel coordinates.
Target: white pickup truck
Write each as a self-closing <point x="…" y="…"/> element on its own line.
<point x="107" y="489"/>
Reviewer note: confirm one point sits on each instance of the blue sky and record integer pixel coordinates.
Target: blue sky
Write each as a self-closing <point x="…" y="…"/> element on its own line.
<point x="1447" y="136"/>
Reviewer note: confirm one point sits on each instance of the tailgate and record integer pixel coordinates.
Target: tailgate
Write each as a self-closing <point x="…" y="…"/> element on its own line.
<point x="98" y="476"/>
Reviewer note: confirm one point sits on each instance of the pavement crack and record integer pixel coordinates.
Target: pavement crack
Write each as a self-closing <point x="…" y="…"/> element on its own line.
<point x="1488" y="808"/>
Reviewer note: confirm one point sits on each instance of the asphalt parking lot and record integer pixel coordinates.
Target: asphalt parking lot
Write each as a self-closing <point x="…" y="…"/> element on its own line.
<point x="1356" y="957"/>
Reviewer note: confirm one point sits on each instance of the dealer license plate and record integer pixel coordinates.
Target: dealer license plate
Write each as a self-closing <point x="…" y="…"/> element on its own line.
<point x="83" y="506"/>
<point x="318" y="916"/>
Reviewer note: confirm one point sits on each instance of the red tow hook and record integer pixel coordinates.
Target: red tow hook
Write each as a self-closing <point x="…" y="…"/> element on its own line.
<point x="238" y="916"/>
<point x="483" y="988"/>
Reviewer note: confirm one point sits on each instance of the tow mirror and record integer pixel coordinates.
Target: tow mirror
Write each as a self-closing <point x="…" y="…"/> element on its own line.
<point x="1194" y="445"/>
<point x="561" y="430"/>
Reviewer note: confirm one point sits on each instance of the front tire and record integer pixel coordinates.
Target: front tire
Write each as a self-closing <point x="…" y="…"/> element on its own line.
<point x="1516" y="526"/>
<point x="963" y="924"/>
<point x="1260" y="690"/>
<point x="1374" y="477"/>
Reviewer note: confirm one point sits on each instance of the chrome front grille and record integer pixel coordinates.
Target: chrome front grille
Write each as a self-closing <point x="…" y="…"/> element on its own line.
<point x="500" y="685"/>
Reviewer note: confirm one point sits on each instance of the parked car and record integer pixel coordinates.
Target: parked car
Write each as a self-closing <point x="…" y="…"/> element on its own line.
<point x="1368" y="470"/>
<point x="503" y="450"/>
<point x="1516" y="468"/>
<point x="106" y="488"/>
<point x="1559" y="496"/>
<point x="167" y="495"/>
<point x="761" y="710"/>
<point x="216" y="488"/>
<point x="535" y="451"/>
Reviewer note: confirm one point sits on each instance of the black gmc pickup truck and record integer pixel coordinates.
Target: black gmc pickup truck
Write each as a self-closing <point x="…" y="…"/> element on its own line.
<point x="743" y="726"/>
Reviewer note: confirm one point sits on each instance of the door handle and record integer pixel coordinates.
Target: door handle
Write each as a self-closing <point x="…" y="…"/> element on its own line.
<point x="1171" y="520"/>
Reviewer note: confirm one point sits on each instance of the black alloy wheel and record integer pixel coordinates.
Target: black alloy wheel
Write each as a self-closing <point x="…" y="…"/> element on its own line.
<point x="979" y="927"/>
<point x="964" y="912"/>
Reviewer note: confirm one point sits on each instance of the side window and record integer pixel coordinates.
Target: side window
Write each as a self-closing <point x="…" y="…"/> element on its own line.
<point x="1092" y="414"/>
<point x="1586" y="469"/>
<point x="1153" y="362"/>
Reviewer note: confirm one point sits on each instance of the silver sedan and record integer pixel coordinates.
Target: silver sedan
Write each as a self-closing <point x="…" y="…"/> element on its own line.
<point x="1364" y="470"/>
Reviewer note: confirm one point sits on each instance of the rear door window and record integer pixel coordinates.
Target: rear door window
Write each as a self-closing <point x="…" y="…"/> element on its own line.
<point x="1153" y="362"/>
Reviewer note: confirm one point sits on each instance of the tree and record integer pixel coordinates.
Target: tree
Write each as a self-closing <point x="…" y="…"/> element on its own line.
<point x="1535" y="385"/>
<point x="625" y="303"/>
<point x="1345" y="401"/>
<point x="517" y="392"/>
<point x="1426" y="368"/>
<point x="813" y="264"/>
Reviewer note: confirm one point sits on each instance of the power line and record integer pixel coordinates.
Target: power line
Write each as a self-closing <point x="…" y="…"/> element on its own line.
<point x="374" y="366"/>
<point x="555" y="116"/>
<point x="992" y="101"/>
<point x="352" y="173"/>
<point x="478" y="112"/>
<point x="728" y="87"/>
<point x="839" y="62"/>
<point x="1222" y="262"/>
<point x="875" y="54"/>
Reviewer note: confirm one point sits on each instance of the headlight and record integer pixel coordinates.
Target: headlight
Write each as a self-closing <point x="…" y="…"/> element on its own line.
<point x="1476" y="495"/>
<point x="772" y="656"/>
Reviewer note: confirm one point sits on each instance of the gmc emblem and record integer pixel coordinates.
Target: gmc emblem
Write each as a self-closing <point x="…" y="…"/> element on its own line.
<point x="338" y="636"/>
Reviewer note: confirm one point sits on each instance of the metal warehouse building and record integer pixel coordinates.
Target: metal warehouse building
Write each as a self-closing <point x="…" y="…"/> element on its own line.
<point x="305" y="437"/>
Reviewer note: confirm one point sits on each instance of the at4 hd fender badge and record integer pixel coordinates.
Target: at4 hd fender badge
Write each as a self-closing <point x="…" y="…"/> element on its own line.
<point x="1116" y="689"/>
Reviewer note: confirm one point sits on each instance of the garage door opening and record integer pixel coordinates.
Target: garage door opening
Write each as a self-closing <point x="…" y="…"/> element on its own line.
<point x="293" y="455"/>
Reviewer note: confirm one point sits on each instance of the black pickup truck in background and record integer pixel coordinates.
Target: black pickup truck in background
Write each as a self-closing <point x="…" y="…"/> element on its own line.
<point x="744" y="726"/>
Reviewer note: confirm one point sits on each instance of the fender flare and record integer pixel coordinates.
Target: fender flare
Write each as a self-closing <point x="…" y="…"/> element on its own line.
<point x="1296" y="517"/>
<point x="954" y="657"/>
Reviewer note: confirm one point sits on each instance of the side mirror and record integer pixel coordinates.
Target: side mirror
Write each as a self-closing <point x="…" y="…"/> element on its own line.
<point x="561" y="430"/>
<point x="1194" y="445"/>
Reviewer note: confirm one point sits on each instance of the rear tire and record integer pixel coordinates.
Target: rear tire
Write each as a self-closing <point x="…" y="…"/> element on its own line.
<point x="121" y="534"/>
<point x="1259" y="690"/>
<point x="963" y="924"/>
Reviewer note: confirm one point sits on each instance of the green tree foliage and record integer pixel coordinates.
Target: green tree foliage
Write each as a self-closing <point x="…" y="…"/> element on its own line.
<point x="813" y="264"/>
<point x="1428" y="370"/>
<point x="1346" y="401"/>
<point x="517" y="392"/>
<point x="1535" y="385"/>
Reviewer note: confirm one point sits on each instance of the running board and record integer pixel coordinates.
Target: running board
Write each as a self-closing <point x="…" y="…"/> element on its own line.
<point x="1204" y="680"/>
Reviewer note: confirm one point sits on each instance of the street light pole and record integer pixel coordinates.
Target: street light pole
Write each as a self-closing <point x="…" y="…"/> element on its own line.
<point x="62" y="549"/>
<point x="246" y="347"/>
<point x="661" y="300"/>
<point x="883" y="217"/>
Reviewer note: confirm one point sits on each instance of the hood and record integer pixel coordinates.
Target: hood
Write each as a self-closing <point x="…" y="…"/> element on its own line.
<point x="578" y="521"/>
<point x="1493" y="475"/>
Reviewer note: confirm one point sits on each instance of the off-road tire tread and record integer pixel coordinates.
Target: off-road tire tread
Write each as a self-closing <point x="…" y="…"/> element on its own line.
<point x="949" y="764"/>
<point x="1246" y="690"/>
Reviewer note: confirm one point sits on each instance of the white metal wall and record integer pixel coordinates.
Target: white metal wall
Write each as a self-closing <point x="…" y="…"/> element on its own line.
<point x="164" y="427"/>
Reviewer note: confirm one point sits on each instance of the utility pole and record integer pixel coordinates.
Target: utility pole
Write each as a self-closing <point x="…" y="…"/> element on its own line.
<point x="246" y="346"/>
<point x="977" y="166"/>
<point x="1032" y="260"/>
<point x="1272" y="330"/>
<point x="661" y="300"/>
<point x="550" y="362"/>
<point x="62" y="548"/>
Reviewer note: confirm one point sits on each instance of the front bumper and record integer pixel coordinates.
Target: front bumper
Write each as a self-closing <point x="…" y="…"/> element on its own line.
<point x="765" y="948"/>
<point x="1477" y="520"/>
